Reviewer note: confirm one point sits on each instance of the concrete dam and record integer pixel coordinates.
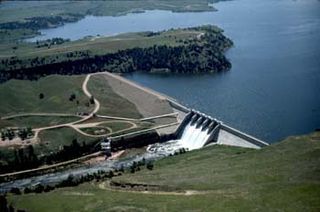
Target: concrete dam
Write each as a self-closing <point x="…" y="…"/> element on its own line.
<point x="198" y="130"/>
<point x="193" y="129"/>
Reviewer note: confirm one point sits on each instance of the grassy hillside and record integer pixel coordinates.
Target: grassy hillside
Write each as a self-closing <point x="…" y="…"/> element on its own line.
<point x="22" y="96"/>
<point x="19" y="11"/>
<point x="36" y="121"/>
<point x="92" y="46"/>
<point x="111" y="102"/>
<point x="282" y="177"/>
<point x="53" y="140"/>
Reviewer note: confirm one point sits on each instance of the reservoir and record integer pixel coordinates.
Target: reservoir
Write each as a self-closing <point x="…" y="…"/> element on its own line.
<point x="273" y="88"/>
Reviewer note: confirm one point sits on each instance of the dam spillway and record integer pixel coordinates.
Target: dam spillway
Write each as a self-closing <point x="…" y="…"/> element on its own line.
<point x="198" y="130"/>
<point x="195" y="131"/>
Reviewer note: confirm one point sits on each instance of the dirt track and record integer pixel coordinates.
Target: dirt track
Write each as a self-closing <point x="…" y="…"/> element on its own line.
<point x="152" y="105"/>
<point x="105" y="186"/>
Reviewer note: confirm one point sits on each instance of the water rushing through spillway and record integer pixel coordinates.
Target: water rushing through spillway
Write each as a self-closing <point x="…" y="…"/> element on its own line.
<point x="198" y="130"/>
<point x="193" y="137"/>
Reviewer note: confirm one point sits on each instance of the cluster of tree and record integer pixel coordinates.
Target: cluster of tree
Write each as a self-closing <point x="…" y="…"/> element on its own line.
<point x="197" y="57"/>
<point x="15" y="63"/>
<point x="91" y="100"/>
<point x="42" y="22"/>
<point x="135" y="166"/>
<point x="26" y="158"/>
<point x="51" y="42"/>
<point x="25" y="133"/>
<point x="180" y="151"/>
<point x="41" y="95"/>
<point x="69" y="152"/>
<point x="4" y="207"/>
<point x="72" y="97"/>
<point x="7" y="133"/>
<point x="22" y="133"/>
<point x="150" y="33"/>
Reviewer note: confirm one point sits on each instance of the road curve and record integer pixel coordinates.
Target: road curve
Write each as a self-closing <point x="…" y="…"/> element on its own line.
<point x="88" y="94"/>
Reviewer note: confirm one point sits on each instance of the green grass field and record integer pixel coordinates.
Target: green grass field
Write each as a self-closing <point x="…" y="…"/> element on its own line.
<point x="98" y="45"/>
<point x="281" y="177"/>
<point x="19" y="11"/>
<point x="116" y="126"/>
<point x="96" y="130"/>
<point x="53" y="140"/>
<point x="22" y="96"/>
<point x="36" y="121"/>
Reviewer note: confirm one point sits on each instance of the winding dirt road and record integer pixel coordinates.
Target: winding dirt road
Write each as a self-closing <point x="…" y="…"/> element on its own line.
<point x="76" y="125"/>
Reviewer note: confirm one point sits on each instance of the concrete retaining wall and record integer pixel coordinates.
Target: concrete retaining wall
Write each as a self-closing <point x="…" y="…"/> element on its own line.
<point x="178" y="106"/>
<point x="253" y="142"/>
<point x="225" y="135"/>
<point x="134" y="141"/>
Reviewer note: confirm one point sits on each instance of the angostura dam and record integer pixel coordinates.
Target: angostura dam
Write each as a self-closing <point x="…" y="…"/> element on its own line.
<point x="195" y="129"/>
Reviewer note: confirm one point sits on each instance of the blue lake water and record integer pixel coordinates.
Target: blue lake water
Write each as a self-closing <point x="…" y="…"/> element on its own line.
<point x="273" y="88"/>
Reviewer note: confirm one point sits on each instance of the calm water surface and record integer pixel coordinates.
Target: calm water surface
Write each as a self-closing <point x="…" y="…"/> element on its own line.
<point x="273" y="89"/>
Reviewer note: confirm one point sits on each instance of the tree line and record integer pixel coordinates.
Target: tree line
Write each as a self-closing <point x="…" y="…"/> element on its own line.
<point x="42" y="22"/>
<point x="28" y="158"/>
<point x="22" y="133"/>
<point x="196" y="57"/>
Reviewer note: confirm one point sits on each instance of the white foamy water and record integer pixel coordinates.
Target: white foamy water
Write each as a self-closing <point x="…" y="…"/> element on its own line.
<point x="194" y="136"/>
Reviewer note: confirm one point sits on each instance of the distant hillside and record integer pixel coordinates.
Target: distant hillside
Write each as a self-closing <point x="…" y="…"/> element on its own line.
<point x="23" y="19"/>
<point x="25" y="10"/>
<point x="190" y="50"/>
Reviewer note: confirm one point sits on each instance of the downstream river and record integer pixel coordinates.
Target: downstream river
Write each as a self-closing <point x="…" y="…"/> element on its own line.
<point x="273" y="89"/>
